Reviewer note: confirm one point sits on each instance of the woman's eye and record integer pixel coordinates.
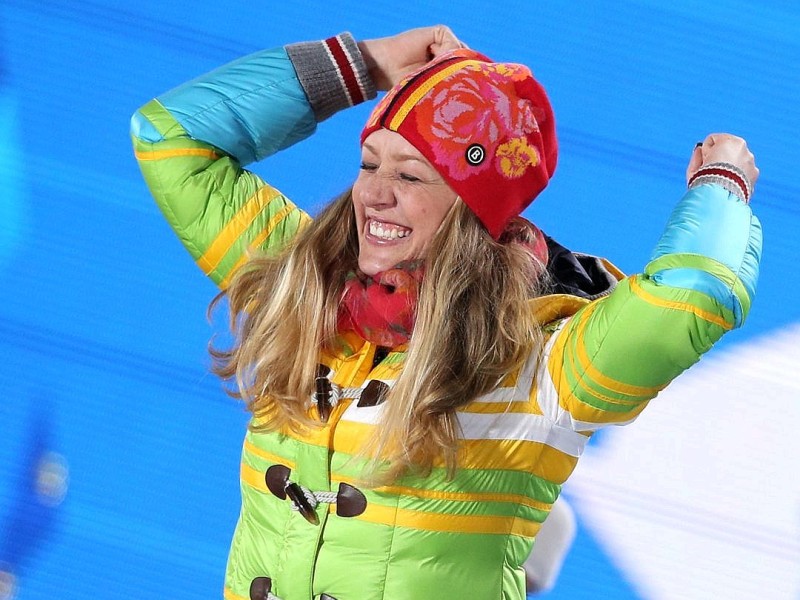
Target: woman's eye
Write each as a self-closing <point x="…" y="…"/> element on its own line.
<point x="368" y="167"/>
<point x="407" y="177"/>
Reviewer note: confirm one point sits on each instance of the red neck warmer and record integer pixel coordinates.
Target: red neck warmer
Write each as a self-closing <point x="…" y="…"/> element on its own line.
<point x="382" y="308"/>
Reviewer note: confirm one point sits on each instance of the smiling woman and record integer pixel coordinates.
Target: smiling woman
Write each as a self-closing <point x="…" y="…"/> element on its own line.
<point x="400" y="201"/>
<point x="424" y="366"/>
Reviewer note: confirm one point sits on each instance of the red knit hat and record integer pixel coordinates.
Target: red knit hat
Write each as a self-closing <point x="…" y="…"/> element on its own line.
<point x="486" y="127"/>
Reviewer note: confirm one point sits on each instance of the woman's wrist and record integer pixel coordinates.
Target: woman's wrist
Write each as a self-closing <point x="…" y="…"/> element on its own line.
<point x="724" y="174"/>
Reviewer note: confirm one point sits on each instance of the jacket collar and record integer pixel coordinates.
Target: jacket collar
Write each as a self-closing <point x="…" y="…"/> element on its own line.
<point x="580" y="275"/>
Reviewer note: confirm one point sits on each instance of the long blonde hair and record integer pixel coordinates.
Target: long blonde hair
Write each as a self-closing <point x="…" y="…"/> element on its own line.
<point x="473" y="327"/>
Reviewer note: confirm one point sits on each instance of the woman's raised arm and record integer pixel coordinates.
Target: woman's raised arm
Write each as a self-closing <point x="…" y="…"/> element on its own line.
<point x="192" y="144"/>
<point x="617" y="353"/>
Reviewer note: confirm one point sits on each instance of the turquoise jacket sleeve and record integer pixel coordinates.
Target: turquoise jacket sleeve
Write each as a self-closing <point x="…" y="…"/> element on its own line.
<point x="712" y="244"/>
<point x="192" y="144"/>
<point x="249" y="109"/>
<point x="606" y="362"/>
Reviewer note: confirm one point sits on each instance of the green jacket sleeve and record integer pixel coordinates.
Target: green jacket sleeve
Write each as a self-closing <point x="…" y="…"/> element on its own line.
<point x="193" y="143"/>
<point x="605" y="363"/>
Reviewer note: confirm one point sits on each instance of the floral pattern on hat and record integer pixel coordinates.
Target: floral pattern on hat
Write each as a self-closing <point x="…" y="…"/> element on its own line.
<point x="515" y="156"/>
<point x="487" y="128"/>
<point x="501" y="72"/>
<point x="471" y="106"/>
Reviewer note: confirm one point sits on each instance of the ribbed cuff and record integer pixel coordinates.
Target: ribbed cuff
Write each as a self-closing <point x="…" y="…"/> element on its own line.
<point x="332" y="73"/>
<point x="729" y="176"/>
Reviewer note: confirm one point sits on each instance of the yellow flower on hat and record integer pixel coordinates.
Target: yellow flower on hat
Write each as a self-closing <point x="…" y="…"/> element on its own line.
<point x="516" y="155"/>
<point x="507" y="71"/>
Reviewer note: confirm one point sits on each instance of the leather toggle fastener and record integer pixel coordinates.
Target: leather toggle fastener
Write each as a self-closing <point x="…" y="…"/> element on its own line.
<point x="323" y="393"/>
<point x="303" y="502"/>
<point x="261" y="589"/>
<point x="349" y="500"/>
<point x="373" y="394"/>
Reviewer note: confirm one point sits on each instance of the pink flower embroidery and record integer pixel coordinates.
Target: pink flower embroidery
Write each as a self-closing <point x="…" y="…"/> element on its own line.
<point x="477" y="109"/>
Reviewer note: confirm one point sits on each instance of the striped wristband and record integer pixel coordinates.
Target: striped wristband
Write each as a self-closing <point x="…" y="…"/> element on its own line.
<point x="333" y="74"/>
<point x="729" y="176"/>
<point x="344" y="59"/>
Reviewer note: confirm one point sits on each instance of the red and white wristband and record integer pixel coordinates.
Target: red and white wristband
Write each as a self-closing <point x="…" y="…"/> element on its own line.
<point x="729" y="176"/>
<point x="333" y="74"/>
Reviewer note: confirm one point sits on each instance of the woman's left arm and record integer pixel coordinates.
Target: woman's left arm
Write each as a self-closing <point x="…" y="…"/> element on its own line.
<point x="615" y="354"/>
<point x="193" y="145"/>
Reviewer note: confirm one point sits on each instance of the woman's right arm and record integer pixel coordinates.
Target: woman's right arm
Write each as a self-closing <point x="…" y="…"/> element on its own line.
<point x="614" y="355"/>
<point x="193" y="142"/>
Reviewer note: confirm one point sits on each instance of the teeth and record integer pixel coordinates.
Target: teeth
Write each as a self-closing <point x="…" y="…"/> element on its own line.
<point x="386" y="231"/>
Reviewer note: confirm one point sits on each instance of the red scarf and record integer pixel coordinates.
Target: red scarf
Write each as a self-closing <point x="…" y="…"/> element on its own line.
<point x="382" y="308"/>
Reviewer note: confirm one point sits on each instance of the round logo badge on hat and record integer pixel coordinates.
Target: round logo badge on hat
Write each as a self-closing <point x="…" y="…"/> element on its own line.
<point x="475" y="154"/>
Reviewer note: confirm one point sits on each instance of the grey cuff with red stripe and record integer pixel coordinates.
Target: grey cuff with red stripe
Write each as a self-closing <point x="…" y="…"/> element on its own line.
<point x="332" y="73"/>
<point x="729" y="176"/>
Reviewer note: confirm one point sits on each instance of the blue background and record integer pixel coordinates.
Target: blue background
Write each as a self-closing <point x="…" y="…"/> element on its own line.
<point x="102" y="328"/>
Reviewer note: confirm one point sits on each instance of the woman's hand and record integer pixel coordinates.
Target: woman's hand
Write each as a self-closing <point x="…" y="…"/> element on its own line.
<point x="727" y="148"/>
<point x="389" y="59"/>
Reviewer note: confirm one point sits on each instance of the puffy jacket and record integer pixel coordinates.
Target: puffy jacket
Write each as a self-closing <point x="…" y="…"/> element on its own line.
<point x="609" y="351"/>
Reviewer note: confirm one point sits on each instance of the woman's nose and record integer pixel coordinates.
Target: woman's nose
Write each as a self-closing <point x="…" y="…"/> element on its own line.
<point x="377" y="191"/>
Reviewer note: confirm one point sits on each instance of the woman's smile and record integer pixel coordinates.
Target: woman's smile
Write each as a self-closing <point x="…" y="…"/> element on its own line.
<point x="400" y="201"/>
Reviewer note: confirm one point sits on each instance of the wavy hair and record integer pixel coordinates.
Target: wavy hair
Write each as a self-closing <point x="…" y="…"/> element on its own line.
<point x="473" y="327"/>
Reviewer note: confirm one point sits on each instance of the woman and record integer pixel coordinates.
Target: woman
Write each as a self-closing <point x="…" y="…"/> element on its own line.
<point x="419" y="393"/>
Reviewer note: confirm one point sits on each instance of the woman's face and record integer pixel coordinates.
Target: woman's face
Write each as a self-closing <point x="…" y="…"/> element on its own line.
<point x="399" y="200"/>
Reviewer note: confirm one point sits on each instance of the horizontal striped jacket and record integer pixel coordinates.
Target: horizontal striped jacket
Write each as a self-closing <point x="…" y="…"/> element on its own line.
<point x="420" y="537"/>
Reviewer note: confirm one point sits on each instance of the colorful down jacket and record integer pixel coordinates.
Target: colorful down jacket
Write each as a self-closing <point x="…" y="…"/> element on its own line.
<point x="607" y="355"/>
